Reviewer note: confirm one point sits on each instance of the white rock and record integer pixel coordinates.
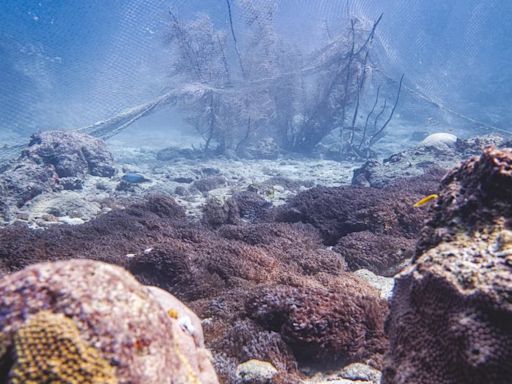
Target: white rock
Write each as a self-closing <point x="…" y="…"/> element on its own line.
<point x="255" y="372"/>
<point x="359" y="371"/>
<point x="71" y="220"/>
<point x="440" y="140"/>
<point x="187" y="319"/>
<point x="356" y="373"/>
<point x="383" y="284"/>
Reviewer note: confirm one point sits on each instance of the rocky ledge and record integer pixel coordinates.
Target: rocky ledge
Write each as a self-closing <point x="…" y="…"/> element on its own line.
<point x="451" y="312"/>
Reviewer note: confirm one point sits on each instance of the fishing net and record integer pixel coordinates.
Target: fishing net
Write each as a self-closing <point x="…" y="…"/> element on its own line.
<point x="103" y="66"/>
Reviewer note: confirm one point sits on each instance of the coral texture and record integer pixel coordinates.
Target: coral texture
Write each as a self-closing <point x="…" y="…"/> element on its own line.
<point x="48" y="348"/>
<point x="217" y="272"/>
<point x="381" y="254"/>
<point x="112" y="312"/>
<point x="451" y="313"/>
<point x="323" y="325"/>
<point x="349" y="217"/>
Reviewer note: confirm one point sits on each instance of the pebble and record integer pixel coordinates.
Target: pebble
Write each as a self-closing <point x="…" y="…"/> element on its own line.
<point x="71" y="220"/>
<point x="383" y="284"/>
<point x="255" y="372"/>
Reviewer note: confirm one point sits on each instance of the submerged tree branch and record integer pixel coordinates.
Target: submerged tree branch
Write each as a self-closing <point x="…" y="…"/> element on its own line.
<point x="234" y="39"/>
<point x="375" y="135"/>
<point x="368" y="118"/>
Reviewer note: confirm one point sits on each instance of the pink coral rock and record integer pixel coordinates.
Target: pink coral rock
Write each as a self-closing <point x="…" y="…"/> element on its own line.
<point x="114" y="314"/>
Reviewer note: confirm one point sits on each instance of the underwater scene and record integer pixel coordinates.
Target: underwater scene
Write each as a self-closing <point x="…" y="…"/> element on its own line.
<point x="255" y="192"/>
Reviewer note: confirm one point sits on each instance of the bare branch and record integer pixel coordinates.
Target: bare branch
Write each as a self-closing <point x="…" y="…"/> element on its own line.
<point x="375" y="135"/>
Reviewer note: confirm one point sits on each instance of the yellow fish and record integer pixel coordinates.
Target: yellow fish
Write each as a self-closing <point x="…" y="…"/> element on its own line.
<point x="425" y="200"/>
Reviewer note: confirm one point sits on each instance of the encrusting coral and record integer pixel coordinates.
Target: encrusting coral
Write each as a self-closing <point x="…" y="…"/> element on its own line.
<point x="349" y="218"/>
<point x="323" y="324"/>
<point x="48" y="349"/>
<point x="451" y="314"/>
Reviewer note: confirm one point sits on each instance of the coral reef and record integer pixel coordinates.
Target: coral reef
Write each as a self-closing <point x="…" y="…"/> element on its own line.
<point x="323" y="325"/>
<point x="110" y="311"/>
<point x="217" y="273"/>
<point x="217" y="213"/>
<point x="372" y="228"/>
<point x="208" y="183"/>
<point x="338" y="211"/>
<point x="451" y="313"/>
<point x="251" y="206"/>
<point x="379" y="253"/>
<point x="108" y="238"/>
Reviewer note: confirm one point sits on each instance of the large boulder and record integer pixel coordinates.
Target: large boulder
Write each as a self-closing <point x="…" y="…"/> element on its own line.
<point x="93" y="322"/>
<point x="451" y="311"/>
<point x="71" y="153"/>
<point x="53" y="160"/>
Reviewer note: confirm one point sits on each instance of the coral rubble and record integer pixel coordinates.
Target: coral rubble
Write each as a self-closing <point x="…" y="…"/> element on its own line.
<point x="436" y="153"/>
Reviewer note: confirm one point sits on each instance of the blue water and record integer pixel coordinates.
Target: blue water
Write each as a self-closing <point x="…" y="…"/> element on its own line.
<point x="67" y="64"/>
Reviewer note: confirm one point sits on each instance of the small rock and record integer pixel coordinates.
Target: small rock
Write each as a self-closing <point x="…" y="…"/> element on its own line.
<point x="71" y="220"/>
<point x="173" y="153"/>
<point x="442" y="141"/>
<point x="183" y="179"/>
<point x="50" y="218"/>
<point x="255" y="372"/>
<point x="266" y="148"/>
<point x="180" y="190"/>
<point x="72" y="183"/>
<point x="383" y="284"/>
<point x="102" y="186"/>
<point x="362" y="372"/>
<point x="125" y="186"/>
<point x="210" y="171"/>
<point x="209" y="183"/>
<point x="22" y="215"/>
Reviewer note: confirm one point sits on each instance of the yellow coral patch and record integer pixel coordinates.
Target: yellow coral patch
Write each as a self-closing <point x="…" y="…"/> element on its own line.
<point x="48" y="349"/>
<point x="4" y="344"/>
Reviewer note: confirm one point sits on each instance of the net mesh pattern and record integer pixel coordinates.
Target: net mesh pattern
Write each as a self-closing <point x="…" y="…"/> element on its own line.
<point x="71" y="65"/>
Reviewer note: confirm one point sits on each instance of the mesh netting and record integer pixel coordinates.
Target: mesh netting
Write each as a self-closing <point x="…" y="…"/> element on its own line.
<point x="75" y="63"/>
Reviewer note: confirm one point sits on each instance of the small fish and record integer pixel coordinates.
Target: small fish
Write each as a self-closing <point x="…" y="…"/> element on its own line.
<point x="425" y="200"/>
<point x="134" y="178"/>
